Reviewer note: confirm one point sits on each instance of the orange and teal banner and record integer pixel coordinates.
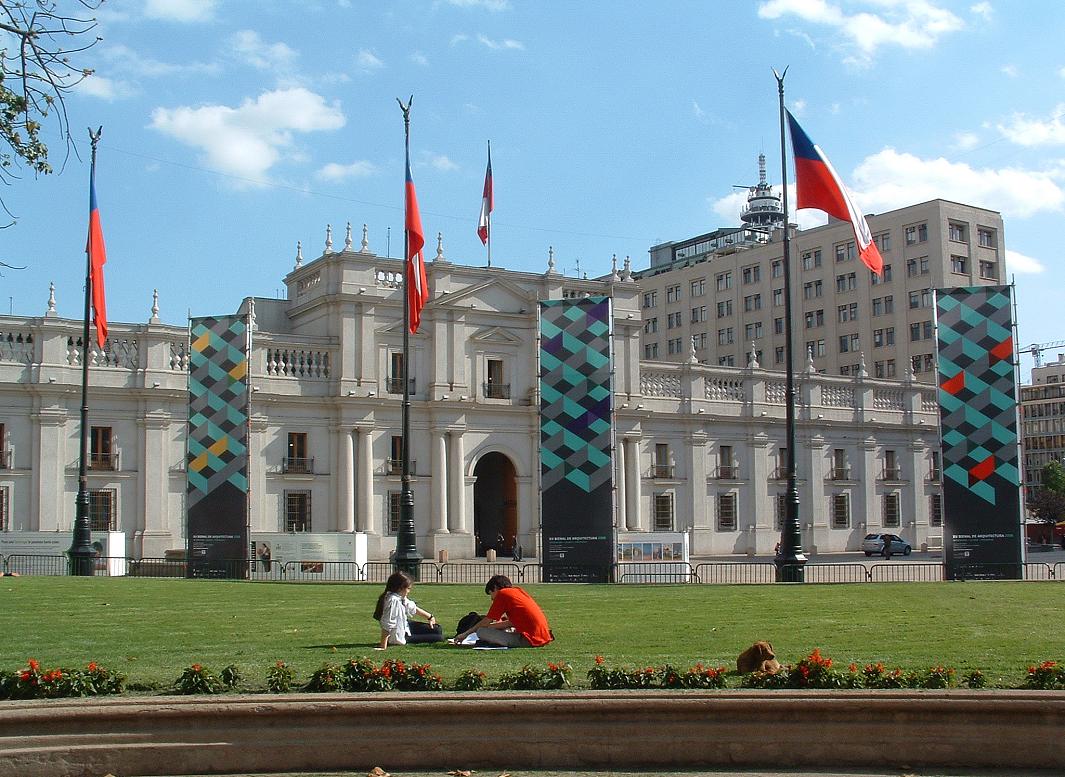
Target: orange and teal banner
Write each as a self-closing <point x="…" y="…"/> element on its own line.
<point x="217" y="495"/>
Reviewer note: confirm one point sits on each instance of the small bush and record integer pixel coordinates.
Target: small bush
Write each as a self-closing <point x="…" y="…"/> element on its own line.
<point x="471" y="680"/>
<point x="325" y="680"/>
<point x="231" y="677"/>
<point x="529" y="679"/>
<point x="361" y="674"/>
<point x="976" y="679"/>
<point x="412" y="677"/>
<point x="198" y="679"/>
<point x="279" y="678"/>
<point x="1047" y="676"/>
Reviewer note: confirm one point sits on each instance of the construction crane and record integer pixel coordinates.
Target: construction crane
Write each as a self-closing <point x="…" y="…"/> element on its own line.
<point x="1036" y="349"/>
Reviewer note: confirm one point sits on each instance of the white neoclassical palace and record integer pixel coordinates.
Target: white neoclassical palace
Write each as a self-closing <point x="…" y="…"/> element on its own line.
<point x="697" y="448"/>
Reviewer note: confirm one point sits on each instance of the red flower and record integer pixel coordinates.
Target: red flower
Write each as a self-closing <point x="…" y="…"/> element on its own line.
<point x="34" y="665"/>
<point x="197" y="668"/>
<point x="25" y="676"/>
<point x="92" y="666"/>
<point x="853" y="667"/>
<point x="599" y="660"/>
<point x="1049" y="664"/>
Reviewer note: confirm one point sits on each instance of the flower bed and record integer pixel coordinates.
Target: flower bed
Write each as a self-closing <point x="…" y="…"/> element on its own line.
<point x="361" y="674"/>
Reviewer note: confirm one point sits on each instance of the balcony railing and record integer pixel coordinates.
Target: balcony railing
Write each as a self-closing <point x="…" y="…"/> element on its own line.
<point x="935" y="475"/>
<point x="728" y="472"/>
<point x="840" y="473"/>
<point x="395" y="385"/>
<point x="5" y="459"/>
<point x="103" y="462"/>
<point x="892" y="473"/>
<point x="395" y="466"/>
<point x="297" y="465"/>
<point x="497" y="391"/>
<point x="662" y="471"/>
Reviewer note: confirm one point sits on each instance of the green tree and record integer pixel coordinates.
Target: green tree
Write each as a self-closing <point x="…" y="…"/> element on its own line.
<point x="38" y="41"/>
<point x="1053" y="477"/>
<point x="1047" y="503"/>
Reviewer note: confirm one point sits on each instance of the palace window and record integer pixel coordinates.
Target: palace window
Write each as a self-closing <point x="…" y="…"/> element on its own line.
<point x="663" y="512"/>
<point x="103" y="515"/>
<point x="841" y="511"/>
<point x="726" y="512"/>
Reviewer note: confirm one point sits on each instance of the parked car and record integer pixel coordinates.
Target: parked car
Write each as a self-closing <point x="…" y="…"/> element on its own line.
<point x="874" y="543"/>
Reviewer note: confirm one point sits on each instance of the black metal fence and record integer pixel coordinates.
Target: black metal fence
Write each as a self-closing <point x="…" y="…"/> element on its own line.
<point x="671" y="573"/>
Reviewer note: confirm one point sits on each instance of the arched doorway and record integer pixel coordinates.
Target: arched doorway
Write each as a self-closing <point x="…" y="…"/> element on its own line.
<point x="495" y="504"/>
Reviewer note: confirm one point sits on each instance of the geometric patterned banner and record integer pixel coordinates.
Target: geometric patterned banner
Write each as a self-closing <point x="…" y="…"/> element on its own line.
<point x="576" y="438"/>
<point x="217" y="495"/>
<point x="978" y="421"/>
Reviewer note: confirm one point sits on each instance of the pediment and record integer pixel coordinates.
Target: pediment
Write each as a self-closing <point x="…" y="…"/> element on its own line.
<point x="396" y="328"/>
<point x="494" y="335"/>
<point x="494" y="296"/>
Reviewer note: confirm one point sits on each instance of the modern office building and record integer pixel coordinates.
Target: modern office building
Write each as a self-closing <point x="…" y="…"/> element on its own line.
<point x="724" y="290"/>
<point x="1043" y="421"/>
<point x="698" y="447"/>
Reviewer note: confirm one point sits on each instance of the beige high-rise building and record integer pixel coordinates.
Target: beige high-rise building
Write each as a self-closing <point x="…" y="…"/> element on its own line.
<point x="722" y="293"/>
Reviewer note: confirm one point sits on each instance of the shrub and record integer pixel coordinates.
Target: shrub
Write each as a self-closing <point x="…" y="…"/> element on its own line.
<point x="936" y="677"/>
<point x="279" y="678"/>
<point x="471" y="680"/>
<point x="698" y="676"/>
<point x="814" y="671"/>
<point x="325" y="680"/>
<point x="231" y="677"/>
<point x="412" y="677"/>
<point x="876" y="676"/>
<point x="361" y="674"/>
<point x="976" y="679"/>
<point x="1047" y="676"/>
<point x="529" y="679"/>
<point x="603" y="679"/>
<point x="198" y="679"/>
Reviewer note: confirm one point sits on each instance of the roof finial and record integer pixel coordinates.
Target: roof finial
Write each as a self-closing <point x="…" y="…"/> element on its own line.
<point x="347" y="238"/>
<point x="328" y="238"/>
<point x="614" y="268"/>
<point x="550" y="260"/>
<point x="439" y="248"/>
<point x="752" y="359"/>
<point x="51" y="300"/>
<point x="155" y="307"/>
<point x="626" y="274"/>
<point x="299" y="254"/>
<point x="810" y="360"/>
<point x="862" y="373"/>
<point x="692" y="358"/>
<point x="365" y="241"/>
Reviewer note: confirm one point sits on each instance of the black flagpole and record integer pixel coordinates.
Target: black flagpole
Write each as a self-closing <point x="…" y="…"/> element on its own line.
<point x="407" y="559"/>
<point x="789" y="558"/>
<point x="81" y="552"/>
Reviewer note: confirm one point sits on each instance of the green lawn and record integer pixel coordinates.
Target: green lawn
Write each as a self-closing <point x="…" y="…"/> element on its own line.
<point x="151" y="629"/>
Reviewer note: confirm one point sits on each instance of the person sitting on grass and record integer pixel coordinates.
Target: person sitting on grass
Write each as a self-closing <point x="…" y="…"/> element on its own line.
<point x="514" y="620"/>
<point x="394" y="611"/>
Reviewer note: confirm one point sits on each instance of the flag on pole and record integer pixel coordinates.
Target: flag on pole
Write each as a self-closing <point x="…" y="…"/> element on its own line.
<point x="818" y="186"/>
<point x="487" y="202"/>
<point x="97" y="258"/>
<point x="417" y="283"/>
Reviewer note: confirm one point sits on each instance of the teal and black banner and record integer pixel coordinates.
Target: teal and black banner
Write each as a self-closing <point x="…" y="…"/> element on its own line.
<point x="576" y="472"/>
<point x="978" y="411"/>
<point x="217" y="496"/>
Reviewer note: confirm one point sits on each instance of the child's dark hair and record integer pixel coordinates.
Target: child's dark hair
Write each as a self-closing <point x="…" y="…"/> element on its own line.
<point x="495" y="582"/>
<point x="396" y="582"/>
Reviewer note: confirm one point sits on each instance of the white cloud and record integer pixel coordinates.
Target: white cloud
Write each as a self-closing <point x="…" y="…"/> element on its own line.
<point x="180" y="10"/>
<point x="132" y="63"/>
<point x="1062" y="72"/>
<point x="488" y="5"/>
<point x="250" y="48"/>
<point x="798" y="107"/>
<point x="891" y="179"/>
<point x="1010" y="70"/>
<point x="1036" y="132"/>
<point x="368" y="61"/>
<point x="983" y="10"/>
<point x="247" y="141"/>
<point x="910" y="24"/>
<point x="966" y="141"/>
<point x="104" y="88"/>
<point x="439" y="162"/>
<point x="419" y="59"/>
<point x="506" y="43"/>
<point x="699" y="113"/>
<point x="1018" y="262"/>
<point x="334" y="171"/>
<point x="458" y="38"/>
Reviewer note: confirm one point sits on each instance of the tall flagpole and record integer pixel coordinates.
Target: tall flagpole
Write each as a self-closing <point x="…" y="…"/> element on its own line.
<point x="489" y="243"/>
<point x="789" y="559"/>
<point x="81" y="552"/>
<point x="407" y="558"/>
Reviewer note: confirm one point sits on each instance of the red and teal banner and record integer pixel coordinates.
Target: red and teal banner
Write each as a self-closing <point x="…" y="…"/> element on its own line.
<point x="978" y="410"/>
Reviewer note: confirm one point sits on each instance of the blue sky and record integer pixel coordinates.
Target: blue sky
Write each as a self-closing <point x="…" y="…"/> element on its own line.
<point x="234" y="128"/>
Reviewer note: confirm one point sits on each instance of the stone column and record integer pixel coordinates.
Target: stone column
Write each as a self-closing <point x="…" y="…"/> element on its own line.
<point x="633" y="485"/>
<point x="457" y="485"/>
<point x="439" y="508"/>
<point x="367" y="521"/>
<point x="152" y="537"/>
<point x="346" y="481"/>
<point x="620" y="497"/>
<point x="52" y="505"/>
<point x="762" y="533"/>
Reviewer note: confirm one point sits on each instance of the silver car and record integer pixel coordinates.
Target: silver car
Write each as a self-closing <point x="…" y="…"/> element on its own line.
<point x="874" y="543"/>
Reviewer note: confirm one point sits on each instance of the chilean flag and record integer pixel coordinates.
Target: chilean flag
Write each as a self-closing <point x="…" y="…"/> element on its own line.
<point x="818" y="186"/>
<point x="416" y="281"/>
<point x="487" y="202"/>
<point x="97" y="258"/>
